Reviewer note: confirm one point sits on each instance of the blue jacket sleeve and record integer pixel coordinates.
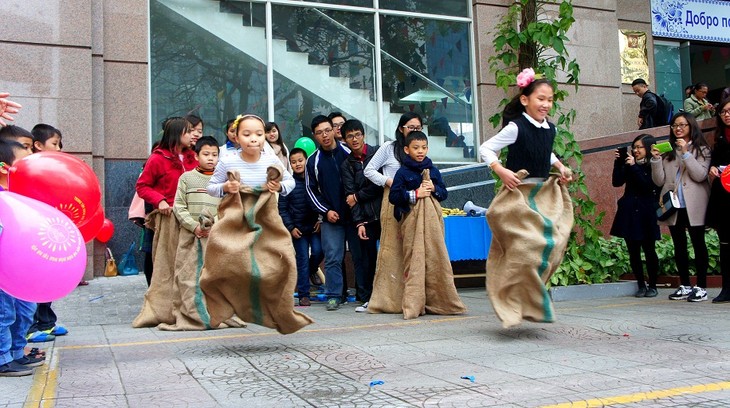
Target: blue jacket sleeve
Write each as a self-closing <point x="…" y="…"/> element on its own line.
<point x="439" y="187"/>
<point x="285" y="213"/>
<point x="398" y="192"/>
<point x="313" y="194"/>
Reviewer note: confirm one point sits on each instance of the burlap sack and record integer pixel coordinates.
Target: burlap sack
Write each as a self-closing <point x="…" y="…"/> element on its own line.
<point x="157" y="307"/>
<point x="428" y="277"/>
<point x="388" y="284"/>
<point x="530" y="229"/>
<point x="249" y="267"/>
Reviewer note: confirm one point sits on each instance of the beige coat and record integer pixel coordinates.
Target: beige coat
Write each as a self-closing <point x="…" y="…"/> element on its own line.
<point x="695" y="186"/>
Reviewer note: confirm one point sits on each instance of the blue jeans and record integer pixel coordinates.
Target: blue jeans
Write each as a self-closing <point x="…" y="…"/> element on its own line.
<point x="306" y="261"/>
<point x="16" y="316"/>
<point x="333" y="245"/>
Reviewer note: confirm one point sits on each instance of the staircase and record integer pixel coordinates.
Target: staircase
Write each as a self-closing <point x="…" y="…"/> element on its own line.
<point x="295" y="66"/>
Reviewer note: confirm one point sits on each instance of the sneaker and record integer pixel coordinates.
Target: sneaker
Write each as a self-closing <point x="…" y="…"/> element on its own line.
<point x="641" y="292"/>
<point x="333" y="304"/>
<point x="681" y="293"/>
<point x="13" y="369"/>
<point x="362" y="308"/>
<point x="304" y="301"/>
<point x="39" y="337"/>
<point x="651" y="292"/>
<point x="698" y="295"/>
<point x="57" y="330"/>
<point x="30" y="361"/>
<point x="343" y="300"/>
<point x="723" y="297"/>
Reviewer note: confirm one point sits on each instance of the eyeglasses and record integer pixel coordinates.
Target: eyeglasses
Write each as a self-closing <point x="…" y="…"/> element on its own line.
<point x="337" y="125"/>
<point x="413" y="128"/>
<point x="323" y="132"/>
<point x="639" y="147"/>
<point x="725" y="112"/>
<point x="679" y="125"/>
<point x="354" y="135"/>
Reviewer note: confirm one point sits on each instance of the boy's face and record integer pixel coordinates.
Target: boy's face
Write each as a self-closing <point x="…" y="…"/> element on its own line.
<point x="355" y="140"/>
<point x="417" y="150"/>
<point x="639" y="89"/>
<point x="27" y="142"/>
<point x="298" y="162"/>
<point x="18" y="154"/>
<point x="324" y="133"/>
<point x="208" y="157"/>
<point x="337" y="123"/>
<point x="53" y="144"/>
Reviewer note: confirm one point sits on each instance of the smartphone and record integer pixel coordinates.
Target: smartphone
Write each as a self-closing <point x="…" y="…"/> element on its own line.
<point x="623" y="153"/>
<point x="663" y="147"/>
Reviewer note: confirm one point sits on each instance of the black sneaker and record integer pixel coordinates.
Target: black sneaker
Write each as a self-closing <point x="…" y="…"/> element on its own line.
<point x="681" y="293"/>
<point x="698" y="295"/>
<point x="30" y="361"/>
<point x="651" y="292"/>
<point x="333" y="304"/>
<point x="641" y="292"/>
<point x="13" y="369"/>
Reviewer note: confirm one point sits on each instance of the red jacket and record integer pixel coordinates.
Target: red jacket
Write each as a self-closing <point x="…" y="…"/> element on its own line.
<point x="159" y="178"/>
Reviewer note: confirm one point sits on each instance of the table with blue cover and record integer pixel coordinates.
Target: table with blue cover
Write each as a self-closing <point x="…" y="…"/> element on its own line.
<point x="467" y="238"/>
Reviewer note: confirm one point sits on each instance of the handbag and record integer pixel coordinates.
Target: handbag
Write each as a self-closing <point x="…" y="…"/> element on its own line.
<point x="128" y="265"/>
<point x="111" y="265"/>
<point x="668" y="205"/>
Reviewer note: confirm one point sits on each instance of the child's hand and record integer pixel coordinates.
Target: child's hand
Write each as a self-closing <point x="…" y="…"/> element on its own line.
<point x="231" y="187"/>
<point x="201" y="233"/>
<point x="273" y="186"/>
<point x="351" y="201"/>
<point x="423" y="192"/>
<point x="566" y="174"/>
<point x="164" y="208"/>
<point x="296" y="233"/>
<point x="508" y="177"/>
<point x="361" y="232"/>
<point x="427" y="184"/>
<point x="316" y="226"/>
<point x="332" y="216"/>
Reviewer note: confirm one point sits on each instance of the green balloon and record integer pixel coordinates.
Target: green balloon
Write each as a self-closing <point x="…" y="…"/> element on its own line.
<point x="306" y="144"/>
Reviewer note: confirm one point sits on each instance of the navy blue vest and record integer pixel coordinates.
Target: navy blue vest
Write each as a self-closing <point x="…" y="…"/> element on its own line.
<point x="531" y="151"/>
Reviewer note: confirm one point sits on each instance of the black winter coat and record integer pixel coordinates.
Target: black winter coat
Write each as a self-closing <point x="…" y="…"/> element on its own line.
<point x="369" y="196"/>
<point x="719" y="204"/>
<point x="636" y="215"/>
<point x="295" y="208"/>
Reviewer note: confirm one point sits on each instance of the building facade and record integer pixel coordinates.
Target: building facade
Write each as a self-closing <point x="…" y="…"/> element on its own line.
<point x="108" y="72"/>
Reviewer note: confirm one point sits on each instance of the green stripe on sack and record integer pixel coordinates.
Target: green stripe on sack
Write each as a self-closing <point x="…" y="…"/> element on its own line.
<point x="255" y="288"/>
<point x="202" y="311"/>
<point x="549" y="246"/>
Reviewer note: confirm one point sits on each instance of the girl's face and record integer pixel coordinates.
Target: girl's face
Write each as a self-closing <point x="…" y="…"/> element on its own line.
<point x="411" y="126"/>
<point x="231" y="133"/>
<point x="273" y="136"/>
<point x="539" y="103"/>
<point x="186" y="138"/>
<point x="196" y="133"/>
<point x="53" y="144"/>
<point x="725" y="114"/>
<point x="680" y="127"/>
<point x="639" y="150"/>
<point x="250" y="135"/>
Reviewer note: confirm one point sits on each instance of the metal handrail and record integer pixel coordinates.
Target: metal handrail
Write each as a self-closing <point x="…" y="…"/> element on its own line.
<point x="463" y="169"/>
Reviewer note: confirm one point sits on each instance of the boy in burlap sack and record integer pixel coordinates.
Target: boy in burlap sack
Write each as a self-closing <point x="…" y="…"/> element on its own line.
<point x="249" y="267"/>
<point x="530" y="218"/>
<point x="416" y="191"/>
<point x="193" y="209"/>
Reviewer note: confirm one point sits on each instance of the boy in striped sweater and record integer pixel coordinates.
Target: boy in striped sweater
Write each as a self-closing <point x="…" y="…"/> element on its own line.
<point x="192" y="197"/>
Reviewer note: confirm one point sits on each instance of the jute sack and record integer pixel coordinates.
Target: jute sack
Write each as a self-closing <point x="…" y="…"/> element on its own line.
<point x="530" y="229"/>
<point x="249" y="267"/>
<point x="157" y="307"/>
<point x="387" y="293"/>
<point x="428" y="277"/>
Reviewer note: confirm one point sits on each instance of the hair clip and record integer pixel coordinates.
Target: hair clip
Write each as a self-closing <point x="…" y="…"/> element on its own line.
<point x="526" y="77"/>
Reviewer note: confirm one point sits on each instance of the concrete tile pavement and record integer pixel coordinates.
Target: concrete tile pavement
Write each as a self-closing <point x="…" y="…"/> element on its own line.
<point x="618" y="352"/>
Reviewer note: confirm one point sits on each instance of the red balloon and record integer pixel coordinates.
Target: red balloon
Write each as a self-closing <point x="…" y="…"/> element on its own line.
<point x="61" y="181"/>
<point x="91" y="227"/>
<point x="106" y="232"/>
<point x="725" y="178"/>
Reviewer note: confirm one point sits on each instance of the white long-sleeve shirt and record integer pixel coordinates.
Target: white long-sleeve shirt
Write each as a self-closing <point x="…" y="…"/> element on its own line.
<point x="252" y="174"/>
<point x="385" y="159"/>
<point x="489" y="150"/>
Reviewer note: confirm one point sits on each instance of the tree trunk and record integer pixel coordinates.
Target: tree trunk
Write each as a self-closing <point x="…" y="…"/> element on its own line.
<point x="527" y="57"/>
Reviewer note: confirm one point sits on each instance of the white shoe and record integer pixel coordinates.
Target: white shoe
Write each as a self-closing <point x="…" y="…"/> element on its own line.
<point x="362" y="308"/>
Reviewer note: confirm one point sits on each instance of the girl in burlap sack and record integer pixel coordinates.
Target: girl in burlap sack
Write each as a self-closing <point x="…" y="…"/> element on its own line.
<point x="388" y="284"/>
<point x="531" y="217"/>
<point x="249" y="269"/>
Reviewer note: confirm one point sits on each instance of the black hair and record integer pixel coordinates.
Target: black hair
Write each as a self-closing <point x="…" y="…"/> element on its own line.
<point x="280" y="141"/>
<point x="42" y="132"/>
<point x="336" y="115"/>
<point x="8" y="149"/>
<point x="698" y="86"/>
<point x="318" y="120"/>
<point x="228" y="125"/>
<point x="206" y="141"/>
<point x="194" y="120"/>
<point x="14" y="132"/>
<point x="639" y="81"/>
<point x="415" y="135"/>
<point x="174" y="128"/>
<point x="514" y="108"/>
<point x="721" y="127"/>
<point x="695" y="133"/>
<point x="298" y="150"/>
<point x="400" y="139"/>
<point x="352" y="125"/>
<point x="647" y="140"/>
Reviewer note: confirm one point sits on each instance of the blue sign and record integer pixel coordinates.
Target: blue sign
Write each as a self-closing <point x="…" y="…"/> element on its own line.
<point x="705" y="20"/>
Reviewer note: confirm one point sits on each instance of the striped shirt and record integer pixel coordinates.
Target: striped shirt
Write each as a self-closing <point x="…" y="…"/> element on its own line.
<point x="252" y="174"/>
<point x="192" y="198"/>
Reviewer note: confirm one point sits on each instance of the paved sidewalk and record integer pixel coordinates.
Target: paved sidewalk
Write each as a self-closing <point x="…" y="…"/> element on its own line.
<point x="619" y="352"/>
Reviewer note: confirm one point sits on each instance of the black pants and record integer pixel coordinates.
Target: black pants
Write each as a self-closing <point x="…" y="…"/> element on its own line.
<point x="652" y="261"/>
<point x="681" y="256"/>
<point x="369" y="251"/>
<point x="44" y="318"/>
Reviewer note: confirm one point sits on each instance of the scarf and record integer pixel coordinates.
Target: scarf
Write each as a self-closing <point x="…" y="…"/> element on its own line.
<point x="417" y="166"/>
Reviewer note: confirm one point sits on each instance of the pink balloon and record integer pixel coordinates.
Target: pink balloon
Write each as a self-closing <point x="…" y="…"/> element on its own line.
<point x="42" y="252"/>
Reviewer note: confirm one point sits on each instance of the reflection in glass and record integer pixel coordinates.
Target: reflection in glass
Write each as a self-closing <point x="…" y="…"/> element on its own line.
<point x="458" y="8"/>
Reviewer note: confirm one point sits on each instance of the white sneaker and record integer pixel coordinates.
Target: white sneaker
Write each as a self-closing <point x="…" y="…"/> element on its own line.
<point x="698" y="295"/>
<point x="681" y="293"/>
<point x="362" y="308"/>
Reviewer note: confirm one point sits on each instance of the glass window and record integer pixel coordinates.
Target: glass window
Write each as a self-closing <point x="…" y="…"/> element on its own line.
<point x="427" y="70"/>
<point x="458" y="8"/>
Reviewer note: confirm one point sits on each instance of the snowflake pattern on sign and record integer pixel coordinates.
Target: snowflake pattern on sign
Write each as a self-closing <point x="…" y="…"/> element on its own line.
<point x="667" y="14"/>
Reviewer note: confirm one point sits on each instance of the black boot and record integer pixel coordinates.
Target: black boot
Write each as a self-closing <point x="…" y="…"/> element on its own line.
<point x="724" y="295"/>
